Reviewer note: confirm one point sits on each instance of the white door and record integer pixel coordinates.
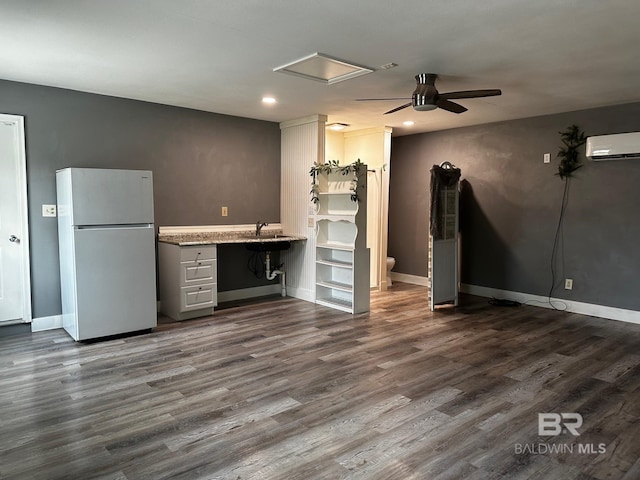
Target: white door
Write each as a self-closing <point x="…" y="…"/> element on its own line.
<point x="14" y="244"/>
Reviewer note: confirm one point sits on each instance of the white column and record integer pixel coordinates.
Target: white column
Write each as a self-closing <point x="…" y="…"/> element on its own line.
<point x="302" y="144"/>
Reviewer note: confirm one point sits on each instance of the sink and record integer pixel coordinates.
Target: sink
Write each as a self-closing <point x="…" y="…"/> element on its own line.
<point x="270" y="246"/>
<point x="264" y="235"/>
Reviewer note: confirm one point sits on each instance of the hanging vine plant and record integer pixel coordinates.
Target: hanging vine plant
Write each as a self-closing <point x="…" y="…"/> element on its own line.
<point x="572" y="138"/>
<point x="333" y="166"/>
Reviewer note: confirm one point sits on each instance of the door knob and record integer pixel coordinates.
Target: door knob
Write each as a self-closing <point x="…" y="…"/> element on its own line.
<point x="14" y="239"/>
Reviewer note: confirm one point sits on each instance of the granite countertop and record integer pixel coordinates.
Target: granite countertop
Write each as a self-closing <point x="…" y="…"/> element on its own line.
<point x="215" y="238"/>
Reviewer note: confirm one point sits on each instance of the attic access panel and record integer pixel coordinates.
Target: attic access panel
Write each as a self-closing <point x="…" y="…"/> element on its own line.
<point x="322" y="68"/>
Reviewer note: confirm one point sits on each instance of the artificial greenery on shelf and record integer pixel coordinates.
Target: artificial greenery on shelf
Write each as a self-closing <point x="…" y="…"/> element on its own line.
<point x="333" y="166"/>
<point x="572" y="138"/>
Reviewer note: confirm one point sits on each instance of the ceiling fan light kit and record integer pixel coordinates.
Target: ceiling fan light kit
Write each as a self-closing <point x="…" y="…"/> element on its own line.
<point x="424" y="107"/>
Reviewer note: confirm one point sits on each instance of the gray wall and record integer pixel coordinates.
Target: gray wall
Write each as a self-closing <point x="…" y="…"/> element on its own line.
<point x="510" y="204"/>
<point x="200" y="162"/>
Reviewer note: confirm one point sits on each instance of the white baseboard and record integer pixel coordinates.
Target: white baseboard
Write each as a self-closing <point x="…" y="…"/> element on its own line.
<point x="406" y="278"/>
<point x="242" y="293"/>
<point x="611" y="313"/>
<point x="46" y="323"/>
<point x="302" y="294"/>
<point x="55" y="321"/>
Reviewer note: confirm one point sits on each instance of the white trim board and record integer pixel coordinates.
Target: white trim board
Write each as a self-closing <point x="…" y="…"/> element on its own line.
<point x="169" y="230"/>
<point x="406" y="278"/>
<point x="242" y="293"/>
<point x="301" y="294"/>
<point x="55" y="321"/>
<point x="319" y="118"/>
<point x="18" y="121"/>
<point x="46" y="323"/>
<point x="611" y="313"/>
<point x="601" y="311"/>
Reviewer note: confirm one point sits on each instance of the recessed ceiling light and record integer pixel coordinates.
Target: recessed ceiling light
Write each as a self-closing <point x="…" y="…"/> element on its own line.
<point x="268" y="100"/>
<point x="408" y="123"/>
<point x="337" y="126"/>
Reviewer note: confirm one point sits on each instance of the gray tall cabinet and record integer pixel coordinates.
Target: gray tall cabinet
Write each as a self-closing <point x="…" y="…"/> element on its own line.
<point x="443" y="236"/>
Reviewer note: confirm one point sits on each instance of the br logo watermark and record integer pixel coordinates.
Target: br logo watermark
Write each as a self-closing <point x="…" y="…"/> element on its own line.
<point x="552" y="423"/>
<point x="555" y="424"/>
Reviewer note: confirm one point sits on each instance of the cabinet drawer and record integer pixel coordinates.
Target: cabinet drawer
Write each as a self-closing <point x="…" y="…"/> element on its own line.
<point x="198" y="296"/>
<point x="194" y="253"/>
<point x="198" y="272"/>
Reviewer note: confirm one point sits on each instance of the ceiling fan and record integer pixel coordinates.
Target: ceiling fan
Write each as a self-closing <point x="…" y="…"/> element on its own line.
<point x="426" y="97"/>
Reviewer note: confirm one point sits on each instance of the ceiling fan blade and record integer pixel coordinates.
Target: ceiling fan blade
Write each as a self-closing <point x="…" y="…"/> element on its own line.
<point x="471" y="94"/>
<point x="445" y="104"/>
<point x="376" y="99"/>
<point x="399" y="108"/>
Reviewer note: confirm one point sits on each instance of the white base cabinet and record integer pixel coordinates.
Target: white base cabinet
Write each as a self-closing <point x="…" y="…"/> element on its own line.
<point x="342" y="278"/>
<point x="188" y="280"/>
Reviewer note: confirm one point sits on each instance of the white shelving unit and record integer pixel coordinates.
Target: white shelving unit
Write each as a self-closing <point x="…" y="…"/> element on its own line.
<point x="342" y="258"/>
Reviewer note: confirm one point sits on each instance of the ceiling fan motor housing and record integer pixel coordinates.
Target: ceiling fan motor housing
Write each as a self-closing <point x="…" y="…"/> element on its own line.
<point x="424" y="96"/>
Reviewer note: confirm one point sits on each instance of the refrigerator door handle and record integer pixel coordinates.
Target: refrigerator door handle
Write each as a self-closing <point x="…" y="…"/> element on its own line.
<point x="102" y="227"/>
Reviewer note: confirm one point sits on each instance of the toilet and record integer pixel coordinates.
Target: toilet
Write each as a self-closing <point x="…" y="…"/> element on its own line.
<point x="391" y="262"/>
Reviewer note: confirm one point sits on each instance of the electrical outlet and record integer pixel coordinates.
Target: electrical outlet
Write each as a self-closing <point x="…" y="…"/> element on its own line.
<point x="48" y="210"/>
<point x="310" y="222"/>
<point x="225" y="211"/>
<point x="568" y="284"/>
<point x="547" y="158"/>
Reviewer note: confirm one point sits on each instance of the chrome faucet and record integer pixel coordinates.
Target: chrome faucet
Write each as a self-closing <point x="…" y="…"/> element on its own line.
<point x="259" y="226"/>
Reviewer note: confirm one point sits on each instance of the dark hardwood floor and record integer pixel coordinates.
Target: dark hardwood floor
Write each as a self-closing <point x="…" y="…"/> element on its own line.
<point x="285" y="389"/>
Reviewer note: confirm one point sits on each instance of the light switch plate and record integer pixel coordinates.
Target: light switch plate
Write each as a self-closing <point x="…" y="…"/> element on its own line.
<point x="49" y="211"/>
<point x="225" y="211"/>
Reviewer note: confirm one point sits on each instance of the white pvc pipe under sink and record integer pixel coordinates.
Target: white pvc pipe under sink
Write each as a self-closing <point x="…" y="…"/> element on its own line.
<point x="272" y="274"/>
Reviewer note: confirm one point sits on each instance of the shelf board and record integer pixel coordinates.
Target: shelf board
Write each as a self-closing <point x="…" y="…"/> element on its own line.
<point x="340" y="192"/>
<point x="336" y="246"/>
<point x="336" y="303"/>
<point x="331" y="217"/>
<point x="345" y="287"/>
<point x="335" y="263"/>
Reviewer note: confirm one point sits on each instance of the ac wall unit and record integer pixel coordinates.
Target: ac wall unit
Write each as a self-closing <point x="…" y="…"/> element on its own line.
<point x="614" y="147"/>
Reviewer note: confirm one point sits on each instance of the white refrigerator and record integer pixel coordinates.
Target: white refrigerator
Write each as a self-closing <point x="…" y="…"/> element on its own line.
<point x="106" y="241"/>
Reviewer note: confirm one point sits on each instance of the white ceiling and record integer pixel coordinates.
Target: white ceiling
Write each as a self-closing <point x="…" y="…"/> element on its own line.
<point x="547" y="56"/>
